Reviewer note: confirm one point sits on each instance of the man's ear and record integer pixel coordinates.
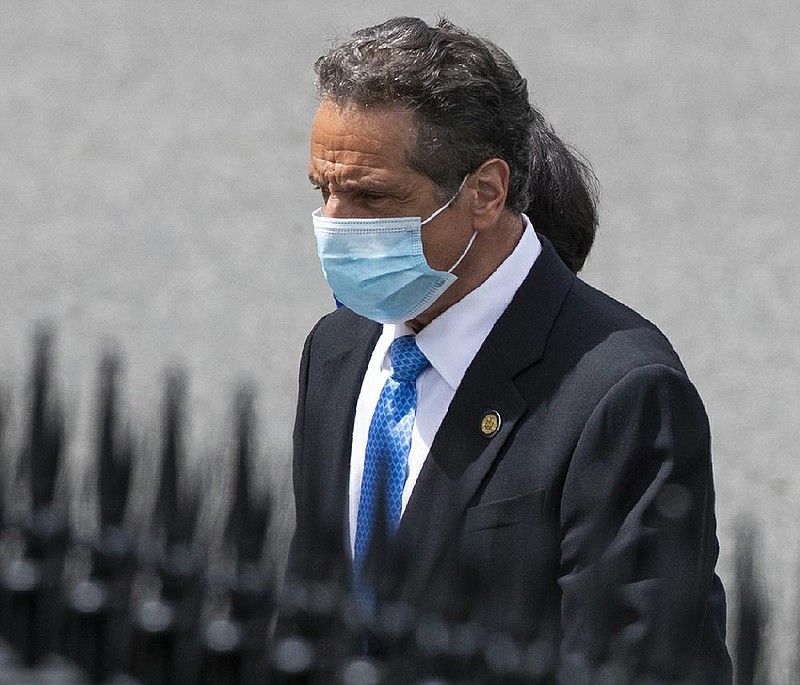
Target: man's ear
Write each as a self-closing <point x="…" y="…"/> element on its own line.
<point x="490" y="183"/>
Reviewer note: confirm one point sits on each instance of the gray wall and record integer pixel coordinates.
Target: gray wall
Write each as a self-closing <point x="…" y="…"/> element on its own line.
<point x="153" y="193"/>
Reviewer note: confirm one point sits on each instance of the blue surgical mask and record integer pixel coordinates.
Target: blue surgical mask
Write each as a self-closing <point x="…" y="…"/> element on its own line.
<point x="377" y="267"/>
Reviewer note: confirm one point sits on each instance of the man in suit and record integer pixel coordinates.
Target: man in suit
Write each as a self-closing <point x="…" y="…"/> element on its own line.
<point x="549" y="438"/>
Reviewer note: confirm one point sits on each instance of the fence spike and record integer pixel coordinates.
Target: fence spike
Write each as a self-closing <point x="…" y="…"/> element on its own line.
<point x="46" y="427"/>
<point x="750" y="614"/>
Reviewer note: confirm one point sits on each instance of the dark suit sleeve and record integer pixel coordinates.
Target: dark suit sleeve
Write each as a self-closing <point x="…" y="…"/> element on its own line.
<point x="295" y="561"/>
<point x="638" y="536"/>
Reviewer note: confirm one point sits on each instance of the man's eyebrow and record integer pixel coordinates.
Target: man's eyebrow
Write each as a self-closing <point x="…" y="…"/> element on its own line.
<point x="350" y="185"/>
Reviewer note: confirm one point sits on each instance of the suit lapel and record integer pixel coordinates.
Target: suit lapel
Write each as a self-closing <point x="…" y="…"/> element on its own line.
<point x="342" y="371"/>
<point x="459" y="459"/>
<point x="461" y="455"/>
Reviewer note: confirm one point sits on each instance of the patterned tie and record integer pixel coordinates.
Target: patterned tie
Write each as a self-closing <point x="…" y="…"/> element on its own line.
<point x="386" y="457"/>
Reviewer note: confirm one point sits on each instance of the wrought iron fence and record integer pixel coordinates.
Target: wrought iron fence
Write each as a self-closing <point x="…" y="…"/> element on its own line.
<point x="140" y="598"/>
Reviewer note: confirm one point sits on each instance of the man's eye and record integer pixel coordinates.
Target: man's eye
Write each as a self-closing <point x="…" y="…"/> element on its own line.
<point x="373" y="197"/>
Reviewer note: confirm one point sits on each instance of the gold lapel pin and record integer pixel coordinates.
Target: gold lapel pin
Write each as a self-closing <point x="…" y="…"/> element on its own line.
<point x="490" y="424"/>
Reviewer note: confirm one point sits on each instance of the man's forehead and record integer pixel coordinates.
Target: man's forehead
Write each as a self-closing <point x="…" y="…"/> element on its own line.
<point x="357" y="141"/>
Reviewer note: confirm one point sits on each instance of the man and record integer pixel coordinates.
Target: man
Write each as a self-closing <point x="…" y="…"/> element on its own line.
<point x="547" y="437"/>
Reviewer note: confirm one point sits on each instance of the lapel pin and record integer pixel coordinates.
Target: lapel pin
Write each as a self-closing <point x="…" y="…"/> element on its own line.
<point x="490" y="424"/>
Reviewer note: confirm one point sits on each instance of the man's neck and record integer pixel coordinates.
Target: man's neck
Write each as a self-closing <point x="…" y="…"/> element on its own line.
<point x="490" y="250"/>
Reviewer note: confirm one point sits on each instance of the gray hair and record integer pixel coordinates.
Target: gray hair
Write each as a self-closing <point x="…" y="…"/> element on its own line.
<point x="471" y="104"/>
<point x="470" y="101"/>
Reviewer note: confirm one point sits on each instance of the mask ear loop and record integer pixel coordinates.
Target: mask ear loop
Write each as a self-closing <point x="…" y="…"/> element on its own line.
<point x="447" y="204"/>
<point x="464" y="253"/>
<point x="440" y="210"/>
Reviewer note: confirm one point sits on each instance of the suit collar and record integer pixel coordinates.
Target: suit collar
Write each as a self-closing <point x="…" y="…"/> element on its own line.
<point x="521" y="334"/>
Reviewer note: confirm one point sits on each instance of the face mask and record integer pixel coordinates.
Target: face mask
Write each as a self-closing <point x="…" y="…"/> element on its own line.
<point x="377" y="267"/>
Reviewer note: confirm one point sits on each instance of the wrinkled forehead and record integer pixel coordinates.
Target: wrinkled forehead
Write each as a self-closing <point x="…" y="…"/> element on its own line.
<point x="358" y="135"/>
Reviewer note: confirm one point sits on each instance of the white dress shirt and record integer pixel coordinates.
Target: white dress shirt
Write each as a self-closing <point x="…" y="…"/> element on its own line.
<point x="450" y="342"/>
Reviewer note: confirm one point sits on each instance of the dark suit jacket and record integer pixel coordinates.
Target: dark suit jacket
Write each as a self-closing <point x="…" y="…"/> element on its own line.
<point x="587" y="519"/>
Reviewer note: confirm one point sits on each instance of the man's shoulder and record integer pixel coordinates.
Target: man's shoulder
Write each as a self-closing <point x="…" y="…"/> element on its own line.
<point x="605" y="310"/>
<point x="575" y="327"/>
<point x="341" y="328"/>
<point x="610" y="332"/>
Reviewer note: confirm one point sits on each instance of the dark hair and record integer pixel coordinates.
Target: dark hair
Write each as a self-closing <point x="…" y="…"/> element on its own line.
<point x="471" y="104"/>
<point x="563" y="204"/>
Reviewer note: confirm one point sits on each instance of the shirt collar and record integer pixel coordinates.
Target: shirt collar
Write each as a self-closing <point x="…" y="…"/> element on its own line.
<point x="452" y="339"/>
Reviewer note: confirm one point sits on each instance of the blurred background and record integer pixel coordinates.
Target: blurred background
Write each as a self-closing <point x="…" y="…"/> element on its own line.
<point x="153" y="199"/>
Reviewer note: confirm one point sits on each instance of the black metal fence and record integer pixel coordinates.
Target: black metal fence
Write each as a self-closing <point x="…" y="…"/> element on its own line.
<point x="142" y="596"/>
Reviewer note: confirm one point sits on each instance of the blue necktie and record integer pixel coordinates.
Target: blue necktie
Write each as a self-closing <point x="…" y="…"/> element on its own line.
<point x="386" y="457"/>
